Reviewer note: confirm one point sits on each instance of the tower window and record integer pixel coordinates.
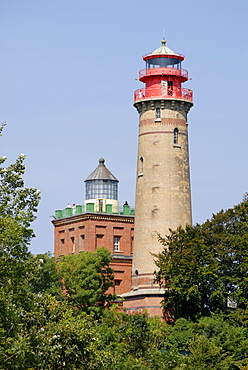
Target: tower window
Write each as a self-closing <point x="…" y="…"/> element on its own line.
<point x="100" y="205"/>
<point x="176" y="136"/>
<point x="158" y="115"/>
<point x="81" y="243"/>
<point x="117" y="241"/>
<point x="72" y="244"/>
<point x="170" y="87"/>
<point x="117" y="284"/>
<point x="131" y="244"/>
<point x="136" y="278"/>
<point x="141" y="166"/>
<point x="61" y="246"/>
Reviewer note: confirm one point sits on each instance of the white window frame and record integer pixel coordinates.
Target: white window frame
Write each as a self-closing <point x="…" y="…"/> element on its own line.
<point x="117" y="242"/>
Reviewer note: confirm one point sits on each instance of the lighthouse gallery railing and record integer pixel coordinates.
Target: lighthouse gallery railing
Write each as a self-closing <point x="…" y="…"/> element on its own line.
<point x="164" y="92"/>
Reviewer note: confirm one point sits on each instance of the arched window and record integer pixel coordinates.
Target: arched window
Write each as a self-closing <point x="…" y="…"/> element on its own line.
<point x="158" y="113"/>
<point x="176" y="136"/>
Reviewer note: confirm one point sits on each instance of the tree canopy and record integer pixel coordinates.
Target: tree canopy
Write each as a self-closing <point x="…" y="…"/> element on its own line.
<point x="204" y="268"/>
<point x="86" y="278"/>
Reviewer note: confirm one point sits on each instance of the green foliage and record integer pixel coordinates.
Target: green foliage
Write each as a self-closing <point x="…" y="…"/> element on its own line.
<point x="134" y="332"/>
<point x="86" y="279"/>
<point x="140" y="342"/>
<point x="218" y="343"/>
<point x="51" y="336"/>
<point x="204" y="268"/>
<point x="206" y="355"/>
<point x="18" y="206"/>
<point x="133" y="340"/>
<point x="238" y="317"/>
<point x="15" y="200"/>
<point x="45" y="277"/>
<point x="2" y="127"/>
<point x="13" y="249"/>
<point x="43" y="328"/>
<point x="178" y="336"/>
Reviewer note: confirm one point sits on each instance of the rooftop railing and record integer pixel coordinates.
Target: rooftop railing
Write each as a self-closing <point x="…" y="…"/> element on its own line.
<point x="180" y="72"/>
<point x="163" y="92"/>
<point x="90" y="208"/>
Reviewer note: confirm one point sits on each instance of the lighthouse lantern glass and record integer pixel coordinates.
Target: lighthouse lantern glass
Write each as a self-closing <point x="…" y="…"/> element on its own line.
<point x="163" y="62"/>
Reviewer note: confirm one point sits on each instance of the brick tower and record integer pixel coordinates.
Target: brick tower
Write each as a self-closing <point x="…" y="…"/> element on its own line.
<point x="163" y="198"/>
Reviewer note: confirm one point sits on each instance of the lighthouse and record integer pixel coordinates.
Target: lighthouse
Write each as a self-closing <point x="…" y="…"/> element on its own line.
<point x="163" y="198"/>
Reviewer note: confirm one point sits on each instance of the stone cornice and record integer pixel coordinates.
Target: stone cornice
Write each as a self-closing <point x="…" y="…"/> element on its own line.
<point x="94" y="216"/>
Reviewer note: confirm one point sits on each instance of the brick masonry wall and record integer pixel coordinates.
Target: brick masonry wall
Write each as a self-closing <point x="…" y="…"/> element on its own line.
<point x="163" y="199"/>
<point x="87" y="232"/>
<point x="150" y="304"/>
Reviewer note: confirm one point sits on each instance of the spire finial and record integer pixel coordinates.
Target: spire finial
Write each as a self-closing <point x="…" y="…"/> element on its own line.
<point x="163" y="42"/>
<point x="101" y="161"/>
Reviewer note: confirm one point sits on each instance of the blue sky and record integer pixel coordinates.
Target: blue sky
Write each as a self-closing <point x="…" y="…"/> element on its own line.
<point x="67" y="76"/>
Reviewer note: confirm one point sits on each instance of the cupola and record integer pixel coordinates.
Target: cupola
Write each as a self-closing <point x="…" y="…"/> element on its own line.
<point x="101" y="190"/>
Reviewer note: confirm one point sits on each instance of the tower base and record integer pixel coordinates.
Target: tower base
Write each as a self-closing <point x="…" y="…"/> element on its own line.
<point x="144" y="300"/>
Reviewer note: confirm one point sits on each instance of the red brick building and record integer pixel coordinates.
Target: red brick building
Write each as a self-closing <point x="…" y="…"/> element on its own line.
<point x="99" y="223"/>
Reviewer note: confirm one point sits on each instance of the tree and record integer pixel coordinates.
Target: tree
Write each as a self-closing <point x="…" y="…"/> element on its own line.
<point x="45" y="277"/>
<point x="86" y="279"/>
<point x="18" y="205"/>
<point x="204" y="268"/>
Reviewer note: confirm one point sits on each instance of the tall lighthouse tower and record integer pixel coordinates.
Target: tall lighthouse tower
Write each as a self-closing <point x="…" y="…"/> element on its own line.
<point x="163" y="199"/>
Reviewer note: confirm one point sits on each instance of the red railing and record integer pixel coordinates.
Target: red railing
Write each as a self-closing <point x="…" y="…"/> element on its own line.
<point x="163" y="92"/>
<point x="164" y="71"/>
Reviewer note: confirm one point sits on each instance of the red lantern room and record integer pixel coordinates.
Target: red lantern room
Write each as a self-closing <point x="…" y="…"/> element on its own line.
<point x="163" y="76"/>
